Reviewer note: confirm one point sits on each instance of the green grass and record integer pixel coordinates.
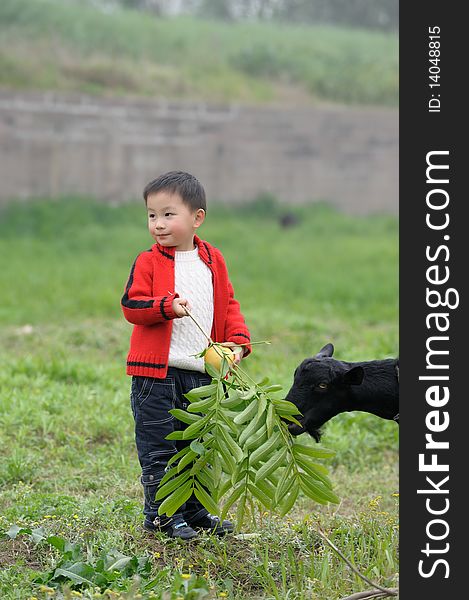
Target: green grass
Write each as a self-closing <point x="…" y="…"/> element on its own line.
<point x="48" y="44"/>
<point x="66" y="430"/>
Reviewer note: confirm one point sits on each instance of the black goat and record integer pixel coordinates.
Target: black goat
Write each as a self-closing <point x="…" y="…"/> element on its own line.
<point x="323" y="387"/>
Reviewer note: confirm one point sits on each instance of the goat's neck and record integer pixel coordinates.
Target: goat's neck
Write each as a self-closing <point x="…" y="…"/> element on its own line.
<point x="378" y="393"/>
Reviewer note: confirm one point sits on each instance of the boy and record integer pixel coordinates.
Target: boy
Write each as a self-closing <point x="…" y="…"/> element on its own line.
<point x="178" y="271"/>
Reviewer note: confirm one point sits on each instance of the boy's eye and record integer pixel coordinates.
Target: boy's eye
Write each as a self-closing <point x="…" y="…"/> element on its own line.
<point x="168" y="214"/>
<point x="151" y="216"/>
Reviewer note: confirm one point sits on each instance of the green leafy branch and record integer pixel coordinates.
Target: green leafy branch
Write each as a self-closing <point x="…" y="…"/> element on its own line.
<point x="241" y="450"/>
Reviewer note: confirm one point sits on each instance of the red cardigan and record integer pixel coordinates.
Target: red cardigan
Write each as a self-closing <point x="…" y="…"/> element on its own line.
<point x="147" y="303"/>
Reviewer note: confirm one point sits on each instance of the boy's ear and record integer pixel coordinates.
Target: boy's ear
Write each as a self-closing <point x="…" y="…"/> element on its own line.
<point x="199" y="217"/>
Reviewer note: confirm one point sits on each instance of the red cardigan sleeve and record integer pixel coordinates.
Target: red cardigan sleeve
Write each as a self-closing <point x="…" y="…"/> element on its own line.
<point x="138" y="304"/>
<point x="235" y="326"/>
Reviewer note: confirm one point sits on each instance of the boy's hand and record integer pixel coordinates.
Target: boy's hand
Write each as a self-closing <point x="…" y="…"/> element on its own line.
<point x="178" y="306"/>
<point x="238" y="351"/>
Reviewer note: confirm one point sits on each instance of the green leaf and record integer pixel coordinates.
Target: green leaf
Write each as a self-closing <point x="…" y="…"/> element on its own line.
<point x="232" y="498"/>
<point x="184" y="416"/>
<point x="239" y="471"/>
<point x="247" y="414"/>
<point x="14" y="530"/>
<point x="233" y="400"/>
<point x="177" y="456"/>
<point x="270" y="420"/>
<point x="38" y="534"/>
<point x="226" y="456"/>
<point x="264" y="451"/>
<point x="256" y="439"/>
<point x="285" y="483"/>
<point x="228" y="421"/>
<point x="249" y="393"/>
<point x="198" y="448"/>
<point x="216" y="469"/>
<point x="212" y="371"/>
<point x="206" y="500"/>
<point x="314" y="471"/>
<point x="171" y="485"/>
<point x="283" y="407"/>
<point x="201" y="462"/>
<point x="261" y="405"/>
<point x="253" y="426"/>
<point x="76" y="573"/>
<point x="173" y="472"/>
<point x="201" y="392"/>
<point x="233" y="447"/>
<point x="186" y="460"/>
<point x="204" y="477"/>
<point x="57" y="542"/>
<point x="275" y="387"/>
<point x="241" y="511"/>
<point x="170" y="505"/>
<point x="195" y="429"/>
<point x="316" y="491"/>
<point x="175" y="435"/>
<point x="202" y="406"/>
<point x="275" y="461"/>
<point x="314" y="452"/>
<point x="292" y="420"/>
<point x="289" y="500"/>
<point x="259" y="494"/>
<point x="266" y="488"/>
<point x="115" y="561"/>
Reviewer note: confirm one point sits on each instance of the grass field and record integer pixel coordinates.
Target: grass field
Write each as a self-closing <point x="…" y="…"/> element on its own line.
<point x="69" y="468"/>
<point x="55" y="45"/>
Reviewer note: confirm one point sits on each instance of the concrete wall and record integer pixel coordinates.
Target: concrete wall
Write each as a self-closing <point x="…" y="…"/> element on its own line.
<point x="54" y="144"/>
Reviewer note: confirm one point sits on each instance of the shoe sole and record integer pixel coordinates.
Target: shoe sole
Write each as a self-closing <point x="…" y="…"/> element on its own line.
<point x="211" y="531"/>
<point x="172" y="537"/>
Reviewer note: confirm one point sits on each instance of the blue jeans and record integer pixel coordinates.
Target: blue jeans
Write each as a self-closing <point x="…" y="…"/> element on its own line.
<point x="151" y="399"/>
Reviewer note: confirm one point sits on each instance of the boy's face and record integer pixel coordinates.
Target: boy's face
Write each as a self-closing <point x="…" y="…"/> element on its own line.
<point x="171" y="222"/>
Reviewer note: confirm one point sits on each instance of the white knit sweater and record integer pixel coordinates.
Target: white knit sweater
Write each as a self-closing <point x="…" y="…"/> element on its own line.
<point x="193" y="280"/>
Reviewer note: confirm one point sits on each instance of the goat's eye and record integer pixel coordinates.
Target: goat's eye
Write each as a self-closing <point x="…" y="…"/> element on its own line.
<point x="323" y="386"/>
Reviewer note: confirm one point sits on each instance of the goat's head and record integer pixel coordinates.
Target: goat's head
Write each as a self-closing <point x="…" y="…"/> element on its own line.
<point x="321" y="389"/>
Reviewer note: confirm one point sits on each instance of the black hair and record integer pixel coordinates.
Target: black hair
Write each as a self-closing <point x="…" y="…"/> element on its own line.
<point x="178" y="182"/>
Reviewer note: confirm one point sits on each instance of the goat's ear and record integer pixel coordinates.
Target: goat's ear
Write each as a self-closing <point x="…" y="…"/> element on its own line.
<point x="354" y="376"/>
<point x="326" y="352"/>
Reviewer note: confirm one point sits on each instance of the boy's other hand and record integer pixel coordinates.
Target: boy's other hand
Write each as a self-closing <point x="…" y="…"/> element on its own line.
<point x="178" y="306"/>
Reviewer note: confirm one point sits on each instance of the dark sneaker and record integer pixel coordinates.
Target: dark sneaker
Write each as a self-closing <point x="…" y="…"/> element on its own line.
<point x="149" y="526"/>
<point x="179" y="530"/>
<point x="213" y="525"/>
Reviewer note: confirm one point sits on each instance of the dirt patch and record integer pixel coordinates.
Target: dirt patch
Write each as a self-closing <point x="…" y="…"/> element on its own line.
<point x="15" y="552"/>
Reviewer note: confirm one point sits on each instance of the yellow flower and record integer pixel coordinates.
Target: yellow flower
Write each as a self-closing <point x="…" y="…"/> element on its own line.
<point x="186" y="575"/>
<point x="76" y="594"/>
<point x="45" y="589"/>
<point x="223" y="594"/>
<point x="374" y="503"/>
<point x="157" y="555"/>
